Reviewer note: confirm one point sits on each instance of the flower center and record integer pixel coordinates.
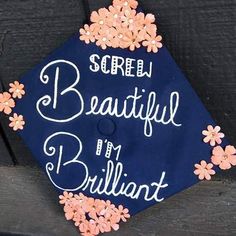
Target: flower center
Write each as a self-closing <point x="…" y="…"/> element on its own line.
<point x="6" y="103"/>
<point x="104" y="39"/>
<point x="87" y="33"/>
<point x="213" y="134"/>
<point x="225" y="156"/>
<point x="131" y="21"/>
<point x="101" y="22"/>
<point x="126" y="3"/>
<point x="153" y="42"/>
<point x="115" y="16"/>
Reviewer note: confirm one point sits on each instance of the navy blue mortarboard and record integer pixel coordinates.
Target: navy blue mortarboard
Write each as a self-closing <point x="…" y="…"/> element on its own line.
<point x="117" y="124"/>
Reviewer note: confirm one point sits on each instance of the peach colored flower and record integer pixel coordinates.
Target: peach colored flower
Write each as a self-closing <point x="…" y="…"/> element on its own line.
<point x="131" y="40"/>
<point x="104" y="38"/>
<point x="119" y="35"/>
<point x="125" y="3"/>
<point x="114" y="16"/>
<point x="213" y="135"/>
<point x="17" y="122"/>
<point x="6" y="103"/>
<point x="69" y="211"/>
<point x="65" y="198"/>
<point x="88" y="229"/>
<point x="128" y="19"/>
<point x="149" y="19"/>
<point x="146" y="20"/>
<point x="153" y="43"/>
<point x="204" y="170"/>
<point x="87" y="34"/>
<point x="79" y="218"/>
<point x="122" y="213"/>
<point x="93" y="206"/>
<point x="17" y="89"/>
<point x="99" y="17"/>
<point x="108" y="210"/>
<point x="224" y="158"/>
<point x="80" y="198"/>
<point x="99" y="224"/>
<point x="147" y="26"/>
<point x="111" y="223"/>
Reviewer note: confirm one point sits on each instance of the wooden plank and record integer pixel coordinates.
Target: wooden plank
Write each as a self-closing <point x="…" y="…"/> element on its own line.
<point x="5" y="158"/>
<point x="30" y="204"/>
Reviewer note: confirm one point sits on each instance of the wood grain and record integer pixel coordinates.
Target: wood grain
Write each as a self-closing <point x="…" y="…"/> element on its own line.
<point x="30" y="204"/>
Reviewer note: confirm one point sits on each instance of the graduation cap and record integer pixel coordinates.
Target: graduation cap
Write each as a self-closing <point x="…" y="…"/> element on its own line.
<point x="113" y="121"/>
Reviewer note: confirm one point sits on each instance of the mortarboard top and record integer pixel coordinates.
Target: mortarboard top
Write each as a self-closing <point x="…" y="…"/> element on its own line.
<point x="116" y="124"/>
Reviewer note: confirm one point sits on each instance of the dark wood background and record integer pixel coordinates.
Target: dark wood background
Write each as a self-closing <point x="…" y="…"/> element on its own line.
<point x="201" y="36"/>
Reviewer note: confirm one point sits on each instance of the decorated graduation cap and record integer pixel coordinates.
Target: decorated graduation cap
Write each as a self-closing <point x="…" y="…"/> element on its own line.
<point x="113" y="121"/>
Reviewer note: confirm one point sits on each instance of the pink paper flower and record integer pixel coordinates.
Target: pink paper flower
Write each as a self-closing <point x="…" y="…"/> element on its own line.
<point x="6" y="103"/>
<point x="108" y="210"/>
<point x="114" y="16"/>
<point x="149" y="19"/>
<point x="17" y="89"/>
<point x="79" y="219"/>
<point x="122" y="213"/>
<point x="128" y="19"/>
<point x="213" y="135"/>
<point x="131" y="40"/>
<point x="88" y="229"/>
<point x="87" y="34"/>
<point x="146" y="20"/>
<point x="204" y="170"/>
<point x="17" y="122"/>
<point x="100" y="17"/>
<point x="111" y="223"/>
<point x="104" y="37"/>
<point x="153" y="43"/>
<point x="99" y="223"/>
<point x="80" y="198"/>
<point x="225" y="159"/>
<point x="125" y="3"/>
<point x="65" y="198"/>
<point x="118" y="39"/>
<point x="70" y="211"/>
<point x="148" y="29"/>
<point x="93" y="207"/>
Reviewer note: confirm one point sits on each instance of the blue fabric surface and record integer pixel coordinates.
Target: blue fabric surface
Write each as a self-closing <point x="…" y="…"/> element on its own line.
<point x="171" y="150"/>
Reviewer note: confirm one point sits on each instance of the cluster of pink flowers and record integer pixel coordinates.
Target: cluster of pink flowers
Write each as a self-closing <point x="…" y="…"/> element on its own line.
<point x="7" y="103"/>
<point x="92" y="216"/>
<point x="224" y="158"/>
<point x="120" y="26"/>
